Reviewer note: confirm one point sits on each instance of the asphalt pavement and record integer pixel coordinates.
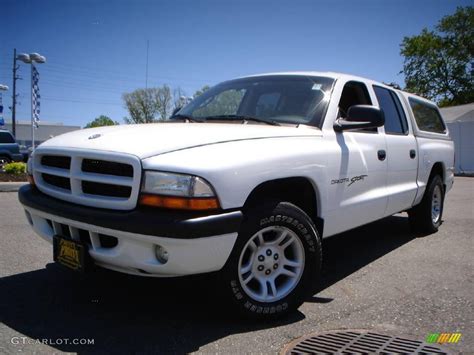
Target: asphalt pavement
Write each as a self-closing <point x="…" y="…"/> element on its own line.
<point x="379" y="277"/>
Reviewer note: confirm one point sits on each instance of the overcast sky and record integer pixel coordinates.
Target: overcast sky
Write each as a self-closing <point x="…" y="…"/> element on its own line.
<point x="96" y="50"/>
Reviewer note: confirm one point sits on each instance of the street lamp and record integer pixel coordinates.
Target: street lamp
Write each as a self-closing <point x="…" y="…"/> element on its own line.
<point x="25" y="58"/>
<point x="32" y="59"/>
<point x="3" y="87"/>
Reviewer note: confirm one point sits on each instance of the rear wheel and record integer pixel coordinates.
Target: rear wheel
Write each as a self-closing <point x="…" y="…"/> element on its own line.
<point x="275" y="262"/>
<point x="4" y="161"/>
<point x="427" y="216"/>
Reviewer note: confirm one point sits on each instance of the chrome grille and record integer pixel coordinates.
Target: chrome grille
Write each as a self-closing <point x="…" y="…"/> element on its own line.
<point x="112" y="190"/>
<point x="56" y="161"/>
<point x="107" y="167"/>
<point x="98" y="179"/>
<point x="58" y="181"/>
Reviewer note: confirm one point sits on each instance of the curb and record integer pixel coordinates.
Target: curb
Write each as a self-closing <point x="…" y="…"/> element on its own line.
<point x="11" y="186"/>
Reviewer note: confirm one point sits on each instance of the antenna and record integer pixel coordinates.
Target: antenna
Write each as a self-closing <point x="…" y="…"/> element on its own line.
<point x="146" y="75"/>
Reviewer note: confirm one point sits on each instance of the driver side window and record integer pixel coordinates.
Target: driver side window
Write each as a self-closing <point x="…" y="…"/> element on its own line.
<point x="354" y="93"/>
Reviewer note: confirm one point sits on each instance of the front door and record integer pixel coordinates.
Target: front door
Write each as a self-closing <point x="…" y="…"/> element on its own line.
<point x="356" y="170"/>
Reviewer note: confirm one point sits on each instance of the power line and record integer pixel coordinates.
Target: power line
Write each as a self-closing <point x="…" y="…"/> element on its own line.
<point x="104" y="79"/>
<point x="85" y="100"/>
<point x="120" y="73"/>
<point x="81" y="83"/>
<point x="83" y="86"/>
<point x="115" y="74"/>
<point x="80" y="99"/>
<point x="99" y="71"/>
<point x="97" y="80"/>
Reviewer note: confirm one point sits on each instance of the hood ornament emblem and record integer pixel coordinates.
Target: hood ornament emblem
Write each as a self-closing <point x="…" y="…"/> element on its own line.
<point x="94" y="136"/>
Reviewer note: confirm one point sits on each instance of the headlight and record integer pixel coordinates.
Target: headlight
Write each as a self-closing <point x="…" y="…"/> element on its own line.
<point x="169" y="184"/>
<point x="178" y="191"/>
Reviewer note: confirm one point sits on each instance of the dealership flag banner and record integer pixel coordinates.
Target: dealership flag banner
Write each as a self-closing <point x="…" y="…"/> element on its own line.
<point x="35" y="96"/>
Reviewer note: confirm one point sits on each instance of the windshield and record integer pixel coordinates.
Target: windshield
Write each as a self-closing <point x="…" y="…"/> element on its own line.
<point x="6" y="137"/>
<point x="279" y="98"/>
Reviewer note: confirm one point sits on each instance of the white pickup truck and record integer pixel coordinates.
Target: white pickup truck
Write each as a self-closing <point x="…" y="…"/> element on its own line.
<point x="247" y="180"/>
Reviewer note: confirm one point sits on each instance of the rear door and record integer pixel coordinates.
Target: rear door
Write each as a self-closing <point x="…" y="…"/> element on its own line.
<point x="402" y="158"/>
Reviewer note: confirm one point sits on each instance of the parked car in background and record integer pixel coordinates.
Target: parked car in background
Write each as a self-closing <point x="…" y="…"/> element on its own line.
<point x="246" y="180"/>
<point x="9" y="149"/>
<point x="25" y="152"/>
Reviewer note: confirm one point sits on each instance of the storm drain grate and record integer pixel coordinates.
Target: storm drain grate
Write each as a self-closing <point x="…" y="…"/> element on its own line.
<point x="358" y="342"/>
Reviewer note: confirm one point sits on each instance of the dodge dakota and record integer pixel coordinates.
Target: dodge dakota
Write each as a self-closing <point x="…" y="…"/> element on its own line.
<point x="245" y="181"/>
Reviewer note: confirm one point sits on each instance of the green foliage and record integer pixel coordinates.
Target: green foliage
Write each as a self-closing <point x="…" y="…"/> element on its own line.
<point x="101" y="121"/>
<point x="17" y="168"/>
<point x="439" y="64"/>
<point x="225" y="103"/>
<point x="201" y="91"/>
<point x="140" y="105"/>
<point x="152" y="104"/>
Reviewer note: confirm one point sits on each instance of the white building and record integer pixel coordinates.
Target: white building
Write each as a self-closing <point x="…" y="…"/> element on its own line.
<point x="460" y="120"/>
<point x="45" y="131"/>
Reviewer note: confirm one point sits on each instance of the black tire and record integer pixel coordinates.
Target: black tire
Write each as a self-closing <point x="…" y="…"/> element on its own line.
<point x="4" y="160"/>
<point x="292" y="218"/>
<point x="420" y="216"/>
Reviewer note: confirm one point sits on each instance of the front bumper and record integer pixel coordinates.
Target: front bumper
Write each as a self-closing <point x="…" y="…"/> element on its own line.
<point x="195" y="243"/>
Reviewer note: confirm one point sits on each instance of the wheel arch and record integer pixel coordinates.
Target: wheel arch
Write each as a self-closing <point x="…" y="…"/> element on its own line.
<point x="6" y="154"/>
<point x="299" y="190"/>
<point x="438" y="168"/>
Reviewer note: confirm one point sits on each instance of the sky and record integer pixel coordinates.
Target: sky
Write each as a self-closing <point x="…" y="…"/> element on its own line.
<point x="96" y="50"/>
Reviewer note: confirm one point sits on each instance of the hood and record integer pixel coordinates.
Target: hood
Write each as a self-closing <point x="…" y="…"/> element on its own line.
<point x="146" y="140"/>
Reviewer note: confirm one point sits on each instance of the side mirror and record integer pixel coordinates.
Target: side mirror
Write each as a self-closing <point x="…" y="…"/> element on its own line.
<point x="360" y="116"/>
<point x="176" y="110"/>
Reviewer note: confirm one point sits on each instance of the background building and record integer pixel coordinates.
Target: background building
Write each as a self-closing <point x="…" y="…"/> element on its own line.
<point x="45" y="131"/>
<point x="460" y="120"/>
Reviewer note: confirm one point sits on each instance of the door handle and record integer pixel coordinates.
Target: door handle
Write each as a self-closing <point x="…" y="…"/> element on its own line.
<point x="412" y="153"/>
<point x="381" y="154"/>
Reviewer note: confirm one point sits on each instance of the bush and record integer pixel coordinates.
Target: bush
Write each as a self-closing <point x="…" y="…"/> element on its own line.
<point x="15" y="168"/>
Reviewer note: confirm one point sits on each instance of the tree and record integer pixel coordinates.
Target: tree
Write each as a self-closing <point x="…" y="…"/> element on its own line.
<point x="100" y="121"/>
<point x="141" y="106"/>
<point x="201" y="91"/>
<point x="439" y="64"/>
<point x="152" y="104"/>
<point x="224" y="103"/>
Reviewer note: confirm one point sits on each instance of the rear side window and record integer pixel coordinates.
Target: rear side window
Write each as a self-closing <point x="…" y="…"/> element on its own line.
<point x="427" y="116"/>
<point x="6" y="137"/>
<point x="395" y="119"/>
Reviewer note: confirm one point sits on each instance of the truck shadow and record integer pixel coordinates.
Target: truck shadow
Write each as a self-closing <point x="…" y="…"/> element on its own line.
<point x="128" y="314"/>
<point x="345" y="253"/>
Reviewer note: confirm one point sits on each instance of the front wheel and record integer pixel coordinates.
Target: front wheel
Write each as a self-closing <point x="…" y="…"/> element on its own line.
<point x="426" y="217"/>
<point x="275" y="262"/>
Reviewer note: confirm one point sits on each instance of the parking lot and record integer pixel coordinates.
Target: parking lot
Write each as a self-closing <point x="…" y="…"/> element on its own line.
<point x="379" y="277"/>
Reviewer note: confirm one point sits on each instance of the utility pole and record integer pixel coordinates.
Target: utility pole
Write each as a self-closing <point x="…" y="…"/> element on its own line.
<point x="15" y="67"/>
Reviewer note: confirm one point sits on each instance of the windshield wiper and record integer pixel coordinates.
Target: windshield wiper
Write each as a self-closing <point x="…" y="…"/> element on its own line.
<point x="185" y="118"/>
<point x="243" y="118"/>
